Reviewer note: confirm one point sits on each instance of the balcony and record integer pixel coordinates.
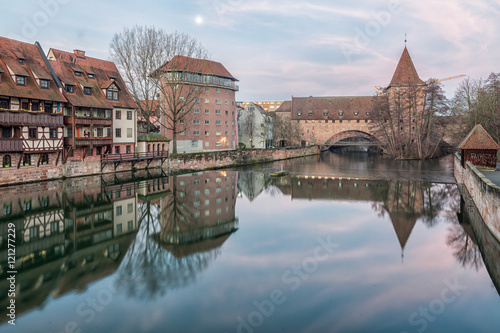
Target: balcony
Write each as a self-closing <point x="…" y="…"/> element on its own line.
<point x="69" y="120"/>
<point x="88" y="141"/>
<point x="11" y="145"/>
<point x="25" y="118"/>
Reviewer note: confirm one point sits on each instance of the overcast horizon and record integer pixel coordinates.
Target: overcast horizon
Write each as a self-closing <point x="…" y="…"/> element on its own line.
<point x="282" y="48"/>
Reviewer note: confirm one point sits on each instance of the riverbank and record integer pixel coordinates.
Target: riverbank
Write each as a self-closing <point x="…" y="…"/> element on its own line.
<point x="230" y="158"/>
<point x="180" y="163"/>
<point x="483" y="192"/>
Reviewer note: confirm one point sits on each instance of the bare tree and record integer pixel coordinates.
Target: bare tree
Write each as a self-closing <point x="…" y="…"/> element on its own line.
<point x="141" y="53"/>
<point x="250" y="129"/>
<point x="406" y="120"/>
<point x="285" y="129"/>
<point x="478" y="102"/>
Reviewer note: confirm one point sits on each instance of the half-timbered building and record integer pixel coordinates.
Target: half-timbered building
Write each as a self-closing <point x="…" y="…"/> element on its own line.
<point x="101" y="114"/>
<point x="31" y="119"/>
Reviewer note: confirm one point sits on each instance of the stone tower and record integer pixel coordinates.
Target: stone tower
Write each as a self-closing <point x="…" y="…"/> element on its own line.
<point x="405" y="96"/>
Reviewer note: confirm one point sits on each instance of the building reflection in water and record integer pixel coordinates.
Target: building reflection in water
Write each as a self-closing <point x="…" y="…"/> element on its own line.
<point x="158" y="233"/>
<point x="180" y="233"/>
<point x="405" y="202"/>
<point x="72" y="233"/>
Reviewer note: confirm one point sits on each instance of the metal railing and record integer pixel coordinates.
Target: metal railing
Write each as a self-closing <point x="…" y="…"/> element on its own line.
<point x="134" y="156"/>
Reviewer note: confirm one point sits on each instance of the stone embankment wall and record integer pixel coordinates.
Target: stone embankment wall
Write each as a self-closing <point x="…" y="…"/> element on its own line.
<point x="72" y="168"/>
<point x="489" y="245"/>
<point x="221" y="159"/>
<point x="484" y="193"/>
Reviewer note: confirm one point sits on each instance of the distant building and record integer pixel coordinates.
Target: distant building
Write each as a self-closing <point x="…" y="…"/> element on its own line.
<point x="255" y="127"/>
<point x="31" y="119"/>
<point x="268" y="106"/>
<point x="211" y="123"/>
<point x="101" y="115"/>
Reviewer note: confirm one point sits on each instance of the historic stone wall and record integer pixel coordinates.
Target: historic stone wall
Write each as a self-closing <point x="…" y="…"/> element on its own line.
<point x="483" y="192"/>
<point x="29" y="173"/>
<point x="319" y="131"/>
<point x="213" y="160"/>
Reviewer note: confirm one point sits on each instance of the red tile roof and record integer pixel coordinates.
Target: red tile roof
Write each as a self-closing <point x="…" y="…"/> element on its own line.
<point x="405" y="73"/>
<point x="478" y="138"/>
<point x="10" y="53"/>
<point x="66" y="63"/>
<point x="351" y="107"/>
<point x="286" y="106"/>
<point x="198" y="66"/>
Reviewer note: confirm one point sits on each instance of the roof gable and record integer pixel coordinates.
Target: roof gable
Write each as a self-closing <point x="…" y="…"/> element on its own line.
<point x="32" y="67"/>
<point x="183" y="63"/>
<point x="405" y="73"/>
<point x="66" y="63"/>
<point x="478" y="138"/>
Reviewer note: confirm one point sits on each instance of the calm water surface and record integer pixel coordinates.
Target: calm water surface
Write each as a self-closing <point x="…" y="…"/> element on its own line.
<point x="344" y="243"/>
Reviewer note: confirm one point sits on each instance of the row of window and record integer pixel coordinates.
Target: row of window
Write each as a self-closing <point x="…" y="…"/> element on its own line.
<point x="27" y="205"/>
<point x="32" y="133"/>
<point x="111" y="95"/>
<point x="7" y="160"/>
<point x="118" y="115"/>
<point x="21" y="81"/>
<point x="207" y="133"/>
<point x="35" y="106"/>
<point x="118" y="132"/>
<point x="325" y="113"/>
<point x="333" y="121"/>
<point x="207" y="111"/>
<point x="194" y="143"/>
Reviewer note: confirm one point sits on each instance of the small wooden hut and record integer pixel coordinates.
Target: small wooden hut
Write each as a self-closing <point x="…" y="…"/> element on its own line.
<point x="479" y="148"/>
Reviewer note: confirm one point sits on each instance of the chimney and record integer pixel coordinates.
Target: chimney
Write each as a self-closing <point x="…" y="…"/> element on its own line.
<point x="79" y="53"/>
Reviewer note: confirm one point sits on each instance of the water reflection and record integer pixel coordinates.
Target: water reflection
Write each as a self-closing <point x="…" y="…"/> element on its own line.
<point x="156" y="234"/>
<point x="404" y="201"/>
<point x="181" y="233"/>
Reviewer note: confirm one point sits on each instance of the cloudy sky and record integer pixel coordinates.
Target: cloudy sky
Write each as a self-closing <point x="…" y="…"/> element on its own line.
<point x="281" y="48"/>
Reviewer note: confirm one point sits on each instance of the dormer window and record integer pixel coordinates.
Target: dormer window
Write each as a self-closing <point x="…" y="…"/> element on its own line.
<point x="91" y="76"/>
<point x="341" y="112"/>
<point x="112" y="95"/>
<point x="21" y="61"/>
<point x="310" y="112"/>
<point x="44" y="84"/>
<point x="70" y="88"/>
<point x="356" y="113"/>
<point x="325" y="112"/>
<point x="87" y="90"/>
<point x="20" y="80"/>
<point x="112" y="78"/>
<point x="299" y="113"/>
<point x="78" y="73"/>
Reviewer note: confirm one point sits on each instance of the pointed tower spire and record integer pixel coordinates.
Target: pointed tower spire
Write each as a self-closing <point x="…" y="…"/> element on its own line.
<point x="405" y="73"/>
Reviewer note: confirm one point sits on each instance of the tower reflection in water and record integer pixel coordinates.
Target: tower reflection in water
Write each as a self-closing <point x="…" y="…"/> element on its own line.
<point x="157" y="233"/>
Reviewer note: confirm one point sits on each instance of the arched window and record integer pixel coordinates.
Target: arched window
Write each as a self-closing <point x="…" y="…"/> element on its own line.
<point x="163" y="147"/>
<point x="6" y="161"/>
<point x="45" y="158"/>
<point x="158" y="148"/>
<point x="26" y="159"/>
<point x="149" y="147"/>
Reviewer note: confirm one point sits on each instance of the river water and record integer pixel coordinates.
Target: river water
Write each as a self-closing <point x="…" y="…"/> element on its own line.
<point x="343" y="243"/>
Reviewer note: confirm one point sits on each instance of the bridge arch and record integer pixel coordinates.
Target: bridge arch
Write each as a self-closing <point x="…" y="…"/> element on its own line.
<point x="349" y="135"/>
